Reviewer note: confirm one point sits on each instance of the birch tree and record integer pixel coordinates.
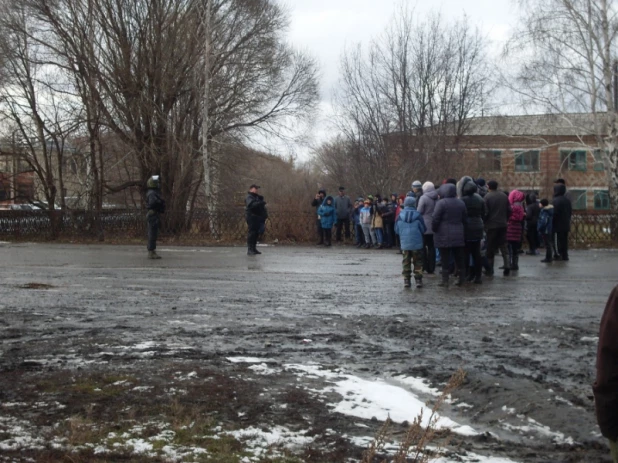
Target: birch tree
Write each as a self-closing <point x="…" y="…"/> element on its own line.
<point x="566" y="51"/>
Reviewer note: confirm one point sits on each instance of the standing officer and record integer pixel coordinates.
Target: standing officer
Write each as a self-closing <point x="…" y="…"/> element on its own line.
<point x="256" y="215"/>
<point x="155" y="206"/>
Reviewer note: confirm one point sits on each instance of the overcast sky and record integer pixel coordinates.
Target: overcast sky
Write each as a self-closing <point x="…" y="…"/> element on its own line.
<point x="323" y="28"/>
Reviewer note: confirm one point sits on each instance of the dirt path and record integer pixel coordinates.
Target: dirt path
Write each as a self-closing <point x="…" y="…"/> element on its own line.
<point x="84" y="325"/>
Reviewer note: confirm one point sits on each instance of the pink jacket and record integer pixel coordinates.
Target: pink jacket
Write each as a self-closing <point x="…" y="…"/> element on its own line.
<point x="516" y="221"/>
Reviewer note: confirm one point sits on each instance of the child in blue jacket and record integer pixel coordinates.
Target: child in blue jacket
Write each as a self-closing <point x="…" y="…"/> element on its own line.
<point x="410" y="227"/>
<point x="326" y="213"/>
<point x="545" y="227"/>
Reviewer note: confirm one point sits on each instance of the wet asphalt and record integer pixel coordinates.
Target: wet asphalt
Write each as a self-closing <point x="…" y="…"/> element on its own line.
<point x="527" y="341"/>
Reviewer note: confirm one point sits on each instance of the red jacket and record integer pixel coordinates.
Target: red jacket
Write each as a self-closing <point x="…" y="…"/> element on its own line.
<point x="515" y="224"/>
<point x="605" y="387"/>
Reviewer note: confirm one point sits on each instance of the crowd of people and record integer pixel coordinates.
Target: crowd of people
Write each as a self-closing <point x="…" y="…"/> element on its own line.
<point x="460" y="226"/>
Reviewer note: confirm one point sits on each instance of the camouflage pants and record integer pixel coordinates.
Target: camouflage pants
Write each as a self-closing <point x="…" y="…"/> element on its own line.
<point x="613" y="446"/>
<point x="410" y="258"/>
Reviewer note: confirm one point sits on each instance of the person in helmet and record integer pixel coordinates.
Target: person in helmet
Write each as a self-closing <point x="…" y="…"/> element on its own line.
<point x="156" y="207"/>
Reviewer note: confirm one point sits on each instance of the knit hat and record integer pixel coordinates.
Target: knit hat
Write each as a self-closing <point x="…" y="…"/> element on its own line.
<point x="428" y="186"/>
<point x="410" y="202"/>
<point x="410" y="193"/>
<point x="417" y="184"/>
<point x="480" y="181"/>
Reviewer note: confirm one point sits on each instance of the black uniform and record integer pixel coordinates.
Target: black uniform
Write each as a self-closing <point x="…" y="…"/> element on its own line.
<point x="256" y="215"/>
<point x="155" y="206"/>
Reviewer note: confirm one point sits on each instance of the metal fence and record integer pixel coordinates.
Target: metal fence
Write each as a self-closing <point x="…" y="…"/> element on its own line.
<point x="292" y="226"/>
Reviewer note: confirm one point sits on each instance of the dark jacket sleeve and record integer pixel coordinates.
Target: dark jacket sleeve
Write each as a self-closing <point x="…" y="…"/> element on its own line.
<point x="438" y="212"/>
<point x="606" y="385"/>
<point x="316" y="203"/>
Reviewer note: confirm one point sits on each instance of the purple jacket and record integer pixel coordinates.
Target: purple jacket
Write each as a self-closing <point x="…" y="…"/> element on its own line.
<point x="449" y="218"/>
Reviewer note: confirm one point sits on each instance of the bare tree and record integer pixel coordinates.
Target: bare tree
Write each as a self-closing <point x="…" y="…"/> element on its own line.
<point x="567" y="52"/>
<point x="405" y="103"/>
<point x="39" y="119"/>
<point x="134" y="70"/>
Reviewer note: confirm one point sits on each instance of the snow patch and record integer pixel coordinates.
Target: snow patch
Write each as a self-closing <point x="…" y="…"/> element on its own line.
<point x="369" y="399"/>
<point x="248" y="360"/>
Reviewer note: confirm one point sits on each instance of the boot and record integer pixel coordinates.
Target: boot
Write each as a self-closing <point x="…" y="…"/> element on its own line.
<point x="419" y="282"/>
<point x="407" y="282"/>
<point x="153" y="255"/>
<point x="478" y="280"/>
<point x="444" y="283"/>
<point x="251" y="252"/>
<point x="515" y="265"/>
<point x="255" y="251"/>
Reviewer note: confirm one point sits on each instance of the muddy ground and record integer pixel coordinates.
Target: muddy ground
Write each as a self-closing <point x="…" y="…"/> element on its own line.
<point x="99" y="336"/>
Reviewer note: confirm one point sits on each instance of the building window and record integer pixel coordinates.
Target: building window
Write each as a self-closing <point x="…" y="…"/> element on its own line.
<point x="489" y="161"/>
<point x="601" y="200"/>
<point x="599" y="165"/>
<point x="527" y="161"/>
<point x="578" y="197"/>
<point x="573" y="160"/>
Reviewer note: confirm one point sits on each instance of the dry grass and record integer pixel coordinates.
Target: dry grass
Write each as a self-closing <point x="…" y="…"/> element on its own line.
<point x="412" y="448"/>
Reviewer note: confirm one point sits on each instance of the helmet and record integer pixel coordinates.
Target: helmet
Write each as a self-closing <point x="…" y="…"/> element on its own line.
<point x="153" y="182"/>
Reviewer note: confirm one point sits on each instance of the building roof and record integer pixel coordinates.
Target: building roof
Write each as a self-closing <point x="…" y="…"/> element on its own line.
<point x="533" y="125"/>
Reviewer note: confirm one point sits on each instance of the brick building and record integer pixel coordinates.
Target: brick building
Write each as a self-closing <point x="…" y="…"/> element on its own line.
<point x="17" y="182"/>
<point x="529" y="152"/>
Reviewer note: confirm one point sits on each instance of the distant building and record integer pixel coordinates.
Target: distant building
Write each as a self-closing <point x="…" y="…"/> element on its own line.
<point x="529" y="152"/>
<point x="16" y="179"/>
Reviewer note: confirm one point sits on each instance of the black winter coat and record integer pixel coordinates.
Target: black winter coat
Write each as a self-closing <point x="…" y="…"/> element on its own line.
<point x="449" y="218"/>
<point x="255" y="206"/>
<point x="475" y="209"/>
<point x="533" y="210"/>
<point x="498" y="210"/>
<point x="154" y="202"/>
<point x="562" y="210"/>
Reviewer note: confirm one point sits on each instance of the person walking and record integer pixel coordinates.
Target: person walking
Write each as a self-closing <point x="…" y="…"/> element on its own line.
<point x="343" y="206"/>
<point x="317" y="202"/>
<point x="449" y="218"/>
<point x="473" y="229"/>
<point x="532" y="218"/>
<point x="515" y="227"/>
<point x="156" y="206"/>
<point x="410" y="227"/>
<point x="426" y="205"/>
<point x="562" y="221"/>
<point x="497" y="213"/>
<point x="605" y="388"/>
<point x="255" y="214"/>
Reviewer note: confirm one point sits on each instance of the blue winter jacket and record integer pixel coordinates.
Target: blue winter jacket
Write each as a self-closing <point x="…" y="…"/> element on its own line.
<point x="410" y="226"/>
<point x="546" y="220"/>
<point x="327" y="213"/>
